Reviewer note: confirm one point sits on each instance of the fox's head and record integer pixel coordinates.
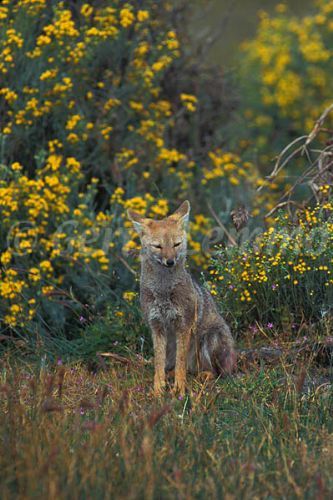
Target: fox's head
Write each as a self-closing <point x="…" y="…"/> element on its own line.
<point x="163" y="241"/>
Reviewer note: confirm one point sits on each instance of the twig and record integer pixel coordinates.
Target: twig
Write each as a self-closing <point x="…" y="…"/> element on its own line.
<point x="318" y="124"/>
<point x="222" y="226"/>
<point x="277" y="166"/>
<point x="115" y="356"/>
<point x="302" y="177"/>
<point x="309" y="138"/>
<point x="310" y="171"/>
<point x="280" y="205"/>
<point x="128" y="267"/>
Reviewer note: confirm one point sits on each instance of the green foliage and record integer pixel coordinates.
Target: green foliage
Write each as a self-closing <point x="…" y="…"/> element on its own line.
<point x="96" y="119"/>
<point x="285" y="77"/>
<point x="106" y="107"/>
<point x="284" y="276"/>
<point x="120" y="332"/>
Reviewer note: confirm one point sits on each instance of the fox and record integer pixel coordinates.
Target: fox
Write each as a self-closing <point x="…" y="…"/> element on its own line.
<point x="189" y="335"/>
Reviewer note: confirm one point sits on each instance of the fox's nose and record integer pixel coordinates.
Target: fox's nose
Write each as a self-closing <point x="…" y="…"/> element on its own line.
<point x="170" y="262"/>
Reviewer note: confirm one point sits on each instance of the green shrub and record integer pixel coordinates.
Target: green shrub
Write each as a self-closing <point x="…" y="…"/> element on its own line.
<point x="285" y="78"/>
<point x="102" y="110"/>
<point x="282" y="278"/>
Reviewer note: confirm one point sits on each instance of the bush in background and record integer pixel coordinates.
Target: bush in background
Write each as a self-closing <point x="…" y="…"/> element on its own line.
<point x="100" y="114"/>
<point x="104" y="107"/>
<point x="285" y="78"/>
<point x="282" y="278"/>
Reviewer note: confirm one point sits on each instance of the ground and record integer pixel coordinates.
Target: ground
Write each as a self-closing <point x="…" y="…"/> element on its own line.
<point x="73" y="432"/>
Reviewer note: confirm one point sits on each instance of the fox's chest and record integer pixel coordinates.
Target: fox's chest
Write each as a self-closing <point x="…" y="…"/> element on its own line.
<point x="165" y="311"/>
<point x="167" y="303"/>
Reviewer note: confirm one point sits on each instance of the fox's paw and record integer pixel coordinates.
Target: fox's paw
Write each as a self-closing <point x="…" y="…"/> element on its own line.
<point x="159" y="389"/>
<point x="179" y="388"/>
<point x="204" y="376"/>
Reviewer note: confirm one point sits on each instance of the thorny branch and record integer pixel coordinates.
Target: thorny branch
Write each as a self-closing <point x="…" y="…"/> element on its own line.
<point x="314" y="171"/>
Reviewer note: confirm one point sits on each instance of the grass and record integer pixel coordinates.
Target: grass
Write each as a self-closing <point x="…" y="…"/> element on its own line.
<point x="67" y="432"/>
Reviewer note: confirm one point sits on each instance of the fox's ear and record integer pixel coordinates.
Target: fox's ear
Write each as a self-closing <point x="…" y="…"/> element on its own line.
<point x="182" y="213"/>
<point x="136" y="219"/>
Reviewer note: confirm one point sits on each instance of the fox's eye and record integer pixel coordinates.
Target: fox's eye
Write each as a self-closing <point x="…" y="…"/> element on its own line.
<point x="177" y="244"/>
<point x="157" y="246"/>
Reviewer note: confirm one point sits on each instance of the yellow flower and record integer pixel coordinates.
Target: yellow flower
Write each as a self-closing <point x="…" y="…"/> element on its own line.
<point x="34" y="274"/>
<point x="15" y="309"/>
<point x="6" y="257"/>
<point x="281" y="8"/>
<point x="72" y="138"/>
<point x="16" y="166"/>
<point x="188" y="97"/>
<point x="73" y="164"/>
<point x="170" y="155"/>
<point x="126" y="17"/>
<point x="72" y="122"/>
<point x="86" y="10"/>
<point x="142" y="15"/>
<point x="48" y="74"/>
<point x="129" y="296"/>
<point x="46" y="266"/>
<point x="10" y="320"/>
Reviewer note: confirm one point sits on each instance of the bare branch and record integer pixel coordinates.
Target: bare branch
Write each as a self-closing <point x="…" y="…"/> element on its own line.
<point x="318" y="124"/>
<point x="222" y="226"/>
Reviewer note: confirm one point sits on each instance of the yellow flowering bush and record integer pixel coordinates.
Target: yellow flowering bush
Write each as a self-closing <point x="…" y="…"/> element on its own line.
<point x="95" y="120"/>
<point x="284" y="276"/>
<point x="286" y="74"/>
<point x="52" y="242"/>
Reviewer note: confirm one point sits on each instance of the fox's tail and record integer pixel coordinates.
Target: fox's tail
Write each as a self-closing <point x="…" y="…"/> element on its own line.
<point x="217" y="353"/>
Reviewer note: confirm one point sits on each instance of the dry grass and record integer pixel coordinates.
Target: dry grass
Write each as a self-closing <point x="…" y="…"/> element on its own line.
<point x="70" y="433"/>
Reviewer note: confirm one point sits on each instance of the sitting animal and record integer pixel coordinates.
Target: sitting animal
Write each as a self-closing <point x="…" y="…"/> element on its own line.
<point x="188" y="332"/>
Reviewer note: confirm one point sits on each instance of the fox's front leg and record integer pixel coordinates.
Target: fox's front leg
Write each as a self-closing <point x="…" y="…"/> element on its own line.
<point x="182" y="344"/>
<point x="159" y="341"/>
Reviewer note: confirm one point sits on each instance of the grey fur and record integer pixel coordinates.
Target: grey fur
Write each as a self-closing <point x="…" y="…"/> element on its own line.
<point x="171" y="298"/>
<point x="188" y="332"/>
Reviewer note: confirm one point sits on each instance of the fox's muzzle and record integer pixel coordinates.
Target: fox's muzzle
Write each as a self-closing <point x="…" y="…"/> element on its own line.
<point x="167" y="262"/>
